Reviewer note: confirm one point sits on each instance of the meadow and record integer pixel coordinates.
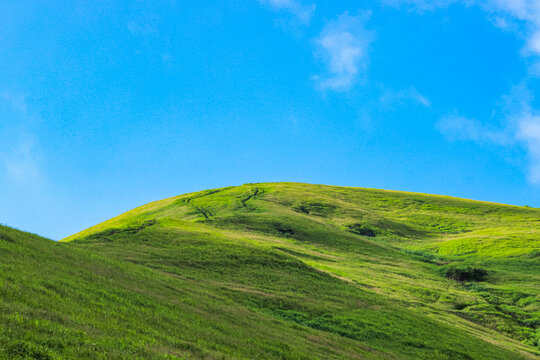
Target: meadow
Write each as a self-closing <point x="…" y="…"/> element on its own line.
<point x="280" y="271"/>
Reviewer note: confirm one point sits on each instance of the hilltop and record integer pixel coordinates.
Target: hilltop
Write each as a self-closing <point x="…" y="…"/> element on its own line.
<point x="284" y="271"/>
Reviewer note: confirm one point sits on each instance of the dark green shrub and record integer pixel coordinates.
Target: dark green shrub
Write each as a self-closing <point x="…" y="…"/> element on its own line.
<point x="23" y="350"/>
<point x="360" y="229"/>
<point x="315" y="208"/>
<point x="467" y="274"/>
<point x="5" y="237"/>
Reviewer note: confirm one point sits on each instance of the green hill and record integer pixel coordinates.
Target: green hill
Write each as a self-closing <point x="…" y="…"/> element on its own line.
<point x="280" y="271"/>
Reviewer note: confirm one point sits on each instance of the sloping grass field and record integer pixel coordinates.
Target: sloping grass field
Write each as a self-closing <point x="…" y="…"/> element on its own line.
<point x="280" y="271"/>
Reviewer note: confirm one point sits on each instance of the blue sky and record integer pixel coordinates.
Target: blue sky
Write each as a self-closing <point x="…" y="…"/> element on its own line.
<point x="107" y="105"/>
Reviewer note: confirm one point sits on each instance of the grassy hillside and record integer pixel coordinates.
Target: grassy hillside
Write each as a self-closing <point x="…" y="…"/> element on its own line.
<point x="283" y="271"/>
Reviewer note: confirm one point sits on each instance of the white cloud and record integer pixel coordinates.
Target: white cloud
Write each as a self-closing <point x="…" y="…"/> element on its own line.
<point x="300" y="11"/>
<point x="343" y="47"/>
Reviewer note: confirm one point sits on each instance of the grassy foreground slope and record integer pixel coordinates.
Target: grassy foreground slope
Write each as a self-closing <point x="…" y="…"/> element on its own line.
<point x="282" y="270"/>
<point x="58" y="301"/>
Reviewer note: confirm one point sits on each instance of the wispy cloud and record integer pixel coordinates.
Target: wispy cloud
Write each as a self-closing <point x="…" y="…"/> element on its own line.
<point x="20" y="157"/>
<point x="139" y="28"/>
<point x="404" y="96"/>
<point x="149" y="38"/>
<point x="529" y="134"/>
<point x="527" y="12"/>
<point x="421" y="5"/>
<point x="21" y="161"/>
<point x="457" y="127"/>
<point x="526" y="124"/>
<point x="522" y="16"/>
<point x="301" y="12"/>
<point x="520" y="125"/>
<point x="17" y="102"/>
<point x="343" y="47"/>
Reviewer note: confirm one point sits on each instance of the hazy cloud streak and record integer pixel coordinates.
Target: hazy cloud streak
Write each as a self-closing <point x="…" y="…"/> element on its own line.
<point x="19" y="155"/>
<point x="529" y="134"/>
<point x="521" y="126"/>
<point x="405" y="96"/>
<point x="301" y="12"/>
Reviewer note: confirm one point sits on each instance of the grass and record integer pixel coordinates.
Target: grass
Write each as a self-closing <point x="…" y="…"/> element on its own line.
<point x="280" y="271"/>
